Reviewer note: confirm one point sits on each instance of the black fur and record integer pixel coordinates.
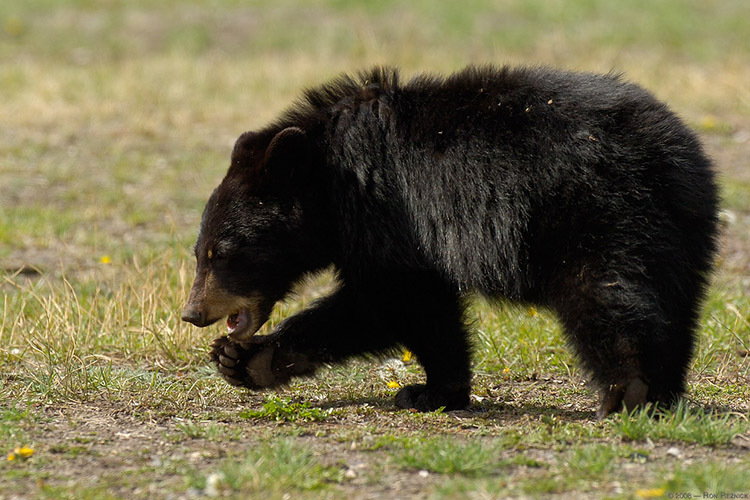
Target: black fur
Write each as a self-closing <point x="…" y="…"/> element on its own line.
<point x="578" y="192"/>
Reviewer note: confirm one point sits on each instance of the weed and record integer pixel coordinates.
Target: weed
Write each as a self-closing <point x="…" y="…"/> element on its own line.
<point x="547" y="485"/>
<point x="284" y="410"/>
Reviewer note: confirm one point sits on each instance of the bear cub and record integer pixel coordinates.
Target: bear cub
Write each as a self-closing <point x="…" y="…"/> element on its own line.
<point x="576" y="192"/>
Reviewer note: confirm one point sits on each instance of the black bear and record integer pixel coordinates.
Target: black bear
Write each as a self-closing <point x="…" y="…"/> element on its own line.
<point x="577" y="192"/>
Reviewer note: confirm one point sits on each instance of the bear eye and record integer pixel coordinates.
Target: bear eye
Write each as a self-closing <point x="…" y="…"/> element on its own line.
<point x="215" y="254"/>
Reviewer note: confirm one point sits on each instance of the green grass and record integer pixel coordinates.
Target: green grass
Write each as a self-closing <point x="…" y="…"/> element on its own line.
<point x="447" y="456"/>
<point x="13" y="425"/>
<point x="283" y="410"/>
<point x="712" y="477"/>
<point x="279" y="467"/>
<point x="118" y="118"/>
<point x="209" y="431"/>
<point x="689" y="425"/>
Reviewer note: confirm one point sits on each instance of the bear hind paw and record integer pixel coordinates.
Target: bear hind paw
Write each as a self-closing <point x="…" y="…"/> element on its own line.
<point x="421" y="398"/>
<point x="630" y="395"/>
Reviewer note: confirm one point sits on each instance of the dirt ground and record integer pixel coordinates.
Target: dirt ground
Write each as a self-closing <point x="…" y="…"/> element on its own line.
<point x="110" y="442"/>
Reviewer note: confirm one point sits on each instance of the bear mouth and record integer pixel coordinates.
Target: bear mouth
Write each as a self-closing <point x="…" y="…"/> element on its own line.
<point x="238" y="325"/>
<point x="248" y="318"/>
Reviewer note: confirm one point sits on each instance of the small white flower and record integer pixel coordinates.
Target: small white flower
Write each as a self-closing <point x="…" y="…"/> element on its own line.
<point x="213" y="483"/>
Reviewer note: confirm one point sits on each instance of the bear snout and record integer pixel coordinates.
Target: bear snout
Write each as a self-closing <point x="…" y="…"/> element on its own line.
<point x="194" y="315"/>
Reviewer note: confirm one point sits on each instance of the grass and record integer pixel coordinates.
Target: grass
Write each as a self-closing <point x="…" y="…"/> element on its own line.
<point x="118" y="118"/>
<point x="209" y="431"/>
<point x="279" y="467"/>
<point x="712" y="477"/>
<point x="446" y="456"/>
<point x="682" y="424"/>
<point x="283" y="410"/>
<point x="12" y="425"/>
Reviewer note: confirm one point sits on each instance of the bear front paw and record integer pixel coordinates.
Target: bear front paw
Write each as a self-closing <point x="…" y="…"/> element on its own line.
<point x="246" y="364"/>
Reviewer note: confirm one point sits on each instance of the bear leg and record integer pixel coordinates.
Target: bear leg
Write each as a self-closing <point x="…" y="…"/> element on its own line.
<point x="434" y="330"/>
<point x="443" y="352"/>
<point x="333" y="329"/>
<point x="635" y="350"/>
<point x="416" y="310"/>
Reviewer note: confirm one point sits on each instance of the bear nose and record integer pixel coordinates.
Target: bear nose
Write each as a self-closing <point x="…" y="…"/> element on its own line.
<point x="194" y="316"/>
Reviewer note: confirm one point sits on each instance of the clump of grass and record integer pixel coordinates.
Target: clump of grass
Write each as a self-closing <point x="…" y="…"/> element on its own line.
<point x="690" y="425"/>
<point x="579" y="469"/>
<point x="12" y="423"/>
<point x="712" y="477"/>
<point x="591" y="462"/>
<point x="206" y="430"/>
<point x="277" y="466"/>
<point x="284" y="410"/>
<point x="71" y="451"/>
<point x="447" y="456"/>
<point x="191" y="429"/>
<point x="634" y="425"/>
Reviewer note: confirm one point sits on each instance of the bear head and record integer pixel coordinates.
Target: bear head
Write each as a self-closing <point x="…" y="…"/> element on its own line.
<point x="252" y="242"/>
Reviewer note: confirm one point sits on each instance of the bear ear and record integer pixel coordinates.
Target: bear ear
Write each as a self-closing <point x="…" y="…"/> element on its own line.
<point x="287" y="155"/>
<point x="247" y="159"/>
<point x="248" y="149"/>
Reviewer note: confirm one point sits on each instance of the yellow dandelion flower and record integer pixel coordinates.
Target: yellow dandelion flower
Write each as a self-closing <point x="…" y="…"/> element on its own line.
<point x="532" y="311"/>
<point x="652" y="493"/>
<point x="406" y="357"/>
<point x="708" y="122"/>
<point x="21" y="453"/>
<point x="506" y="370"/>
<point x="393" y="384"/>
<point x="105" y="259"/>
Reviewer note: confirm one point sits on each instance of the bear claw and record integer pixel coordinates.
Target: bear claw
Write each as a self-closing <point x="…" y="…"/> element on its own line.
<point x="227" y="361"/>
